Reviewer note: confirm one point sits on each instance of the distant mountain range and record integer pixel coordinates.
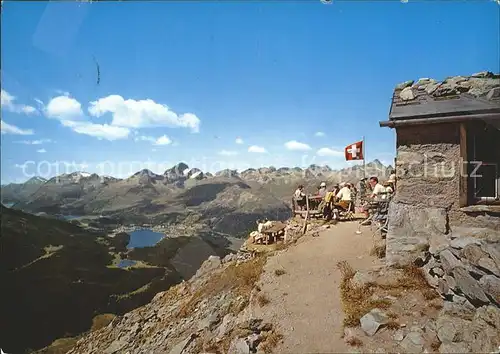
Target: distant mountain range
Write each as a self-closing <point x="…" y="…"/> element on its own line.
<point x="229" y="201"/>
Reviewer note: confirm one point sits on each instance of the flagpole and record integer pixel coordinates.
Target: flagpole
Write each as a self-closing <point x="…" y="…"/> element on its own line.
<point x="364" y="158"/>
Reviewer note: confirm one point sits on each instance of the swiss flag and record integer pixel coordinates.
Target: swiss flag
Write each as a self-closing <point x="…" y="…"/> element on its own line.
<point x="354" y="151"/>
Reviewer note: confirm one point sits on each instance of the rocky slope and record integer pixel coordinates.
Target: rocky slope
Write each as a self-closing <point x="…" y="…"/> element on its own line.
<point x="209" y="313"/>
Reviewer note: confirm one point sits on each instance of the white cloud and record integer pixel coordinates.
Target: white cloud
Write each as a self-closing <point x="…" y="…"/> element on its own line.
<point x="41" y="151"/>
<point x="7" y="103"/>
<point x="163" y="140"/>
<point x="329" y="152"/>
<point x="11" y="129"/>
<point x="319" y="134"/>
<point x="100" y="131"/>
<point x="69" y="111"/>
<point x="239" y="141"/>
<point x="144" y="138"/>
<point x="257" y="149"/>
<point x="142" y="113"/>
<point x="228" y="153"/>
<point x="35" y="142"/>
<point x="297" y="146"/>
<point x="64" y="108"/>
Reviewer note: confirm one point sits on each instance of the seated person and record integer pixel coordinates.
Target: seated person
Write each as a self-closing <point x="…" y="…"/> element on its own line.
<point x="335" y="189"/>
<point x="322" y="190"/>
<point x="388" y="187"/>
<point x="344" y="197"/>
<point x="378" y="191"/>
<point x="330" y="196"/>
<point x="328" y="202"/>
<point x="392" y="178"/>
<point x="300" y="197"/>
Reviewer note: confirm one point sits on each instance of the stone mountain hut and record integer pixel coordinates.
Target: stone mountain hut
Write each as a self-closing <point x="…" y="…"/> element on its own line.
<point x="447" y="163"/>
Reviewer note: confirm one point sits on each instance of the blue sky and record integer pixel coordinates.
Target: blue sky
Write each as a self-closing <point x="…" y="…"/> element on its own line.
<point x="182" y="81"/>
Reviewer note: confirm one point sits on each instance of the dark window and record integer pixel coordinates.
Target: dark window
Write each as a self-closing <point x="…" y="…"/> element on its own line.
<point x="483" y="145"/>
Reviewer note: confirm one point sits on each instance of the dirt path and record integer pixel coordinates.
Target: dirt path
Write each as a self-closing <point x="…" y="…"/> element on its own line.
<point x="305" y="300"/>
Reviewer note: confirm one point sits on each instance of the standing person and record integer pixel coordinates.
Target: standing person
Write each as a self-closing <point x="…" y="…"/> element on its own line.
<point x="300" y="196"/>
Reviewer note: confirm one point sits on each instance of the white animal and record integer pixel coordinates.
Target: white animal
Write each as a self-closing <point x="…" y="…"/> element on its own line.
<point x="263" y="227"/>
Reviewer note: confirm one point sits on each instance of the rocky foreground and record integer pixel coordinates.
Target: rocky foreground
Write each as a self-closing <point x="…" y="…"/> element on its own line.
<point x="294" y="296"/>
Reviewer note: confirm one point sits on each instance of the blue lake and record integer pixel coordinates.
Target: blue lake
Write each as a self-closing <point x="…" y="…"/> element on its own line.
<point x="144" y="238"/>
<point x="126" y="263"/>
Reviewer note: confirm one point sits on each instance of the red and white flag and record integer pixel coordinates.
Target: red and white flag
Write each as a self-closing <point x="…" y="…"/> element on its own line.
<point x="354" y="151"/>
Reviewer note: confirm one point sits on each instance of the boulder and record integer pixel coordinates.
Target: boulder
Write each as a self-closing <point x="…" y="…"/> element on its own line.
<point x="491" y="286"/>
<point x="399" y="335"/>
<point x="413" y="342"/>
<point x="449" y="261"/>
<point x="469" y="286"/>
<point x="373" y="320"/>
<point x="239" y="346"/>
<point x="361" y="279"/>
<point x="493" y="93"/>
<point x="431" y="88"/>
<point x="493" y="250"/>
<point x="438" y="271"/>
<point x="407" y="94"/>
<point x="464" y="310"/>
<point x="450" y="329"/>
<point x="489" y="265"/>
<point x="473" y="253"/>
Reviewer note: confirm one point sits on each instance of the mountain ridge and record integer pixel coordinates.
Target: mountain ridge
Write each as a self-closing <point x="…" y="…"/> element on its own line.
<point x="182" y="169"/>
